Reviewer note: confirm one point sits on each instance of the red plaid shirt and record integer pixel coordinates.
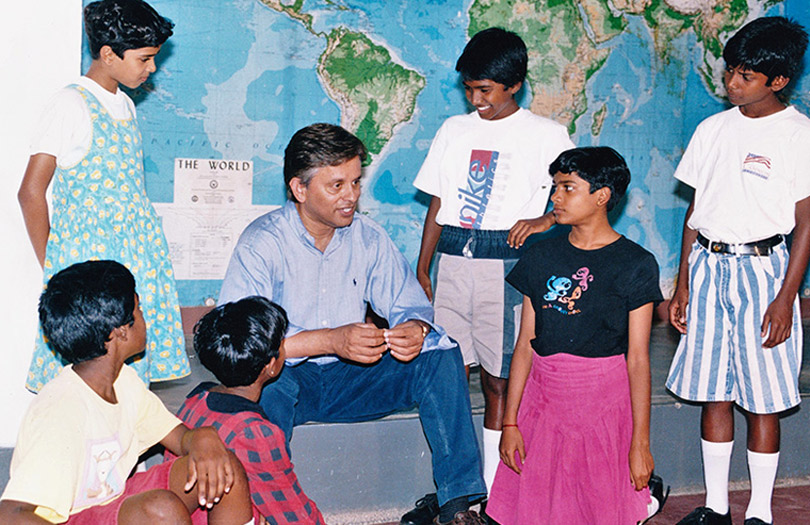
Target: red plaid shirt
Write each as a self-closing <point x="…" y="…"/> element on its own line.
<point x="260" y="446"/>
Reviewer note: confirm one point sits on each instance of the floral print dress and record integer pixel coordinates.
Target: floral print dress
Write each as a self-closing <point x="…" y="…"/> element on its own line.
<point x="101" y="211"/>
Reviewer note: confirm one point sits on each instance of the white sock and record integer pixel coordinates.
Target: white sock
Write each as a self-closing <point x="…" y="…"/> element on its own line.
<point x="251" y="522"/>
<point x="716" y="462"/>
<point x="492" y="455"/>
<point x="762" y="471"/>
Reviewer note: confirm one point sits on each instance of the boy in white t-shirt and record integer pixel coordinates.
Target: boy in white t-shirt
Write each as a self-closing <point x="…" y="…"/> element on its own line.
<point x="487" y="172"/>
<point x="736" y="302"/>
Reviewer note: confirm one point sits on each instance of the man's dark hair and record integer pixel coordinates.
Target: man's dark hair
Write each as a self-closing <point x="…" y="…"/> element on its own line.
<point x="773" y="46"/>
<point x="599" y="166"/>
<point x="235" y="341"/>
<point x="123" y="25"/>
<point x="83" y="304"/>
<point x="494" y="54"/>
<point x="317" y="146"/>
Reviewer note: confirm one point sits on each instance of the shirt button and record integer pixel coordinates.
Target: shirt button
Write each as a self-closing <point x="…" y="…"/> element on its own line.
<point x="323" y="323"/>
<point x="323" y="290"/>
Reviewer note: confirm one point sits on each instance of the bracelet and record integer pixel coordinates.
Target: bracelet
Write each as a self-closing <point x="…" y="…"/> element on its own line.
<point x="425" y="330"/>
<point x="509" y="425"/>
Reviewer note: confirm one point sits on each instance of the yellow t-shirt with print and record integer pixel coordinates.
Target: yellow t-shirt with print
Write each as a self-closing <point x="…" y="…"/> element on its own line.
<point x="75" y="450"/>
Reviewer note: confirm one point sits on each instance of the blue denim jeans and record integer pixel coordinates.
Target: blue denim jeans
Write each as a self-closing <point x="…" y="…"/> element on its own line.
<point x="477" y="244"/>
<point x="342" y="392"/>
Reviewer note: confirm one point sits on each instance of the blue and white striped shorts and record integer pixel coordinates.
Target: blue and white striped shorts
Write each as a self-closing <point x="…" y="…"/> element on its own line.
<point x="721" y="358"/>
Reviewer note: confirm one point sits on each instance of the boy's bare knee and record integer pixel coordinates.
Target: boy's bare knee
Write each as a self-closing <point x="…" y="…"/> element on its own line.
<point x="717" y="421"/>
<point x="720" y="409"/>
<point x="240" y="486"/>
<point x="154" y="506"/>
<point x="235" y="506"/>
<point x="764" y="432"/>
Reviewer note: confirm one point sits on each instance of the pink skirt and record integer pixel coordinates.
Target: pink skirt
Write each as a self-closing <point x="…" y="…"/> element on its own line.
<point x="576" y="421"/>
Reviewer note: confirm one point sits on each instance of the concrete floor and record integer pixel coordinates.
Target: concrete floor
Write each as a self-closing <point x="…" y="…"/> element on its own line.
<point x="791" y="505"/>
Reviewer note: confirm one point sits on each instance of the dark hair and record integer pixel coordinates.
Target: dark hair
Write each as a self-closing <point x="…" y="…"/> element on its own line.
<point x="317" y="146"/>
<point x="123" y="25"/>
<point x="83" y="304"/>
<point x="773" y="46"/>
<point x="235" y="341"/>
<point x="494" y="54"/>
<point x="599" y="166"/>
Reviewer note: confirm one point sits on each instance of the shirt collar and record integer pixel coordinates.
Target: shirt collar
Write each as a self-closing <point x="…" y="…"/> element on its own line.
<point x="294" y="219"/>
<point x="226" y="403"/>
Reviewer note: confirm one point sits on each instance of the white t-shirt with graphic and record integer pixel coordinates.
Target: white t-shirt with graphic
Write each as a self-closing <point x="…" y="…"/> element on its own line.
<point x="491" y="173"/>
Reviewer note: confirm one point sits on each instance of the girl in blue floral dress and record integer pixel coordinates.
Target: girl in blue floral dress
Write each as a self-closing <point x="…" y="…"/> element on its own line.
<point x="89" y="146"/>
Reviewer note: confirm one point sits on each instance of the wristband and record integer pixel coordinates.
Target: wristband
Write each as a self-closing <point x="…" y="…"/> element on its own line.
<point x="509" y="425"/>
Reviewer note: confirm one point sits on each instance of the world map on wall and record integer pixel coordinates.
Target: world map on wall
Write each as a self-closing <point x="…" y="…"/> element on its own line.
<point x="239" y="77"/>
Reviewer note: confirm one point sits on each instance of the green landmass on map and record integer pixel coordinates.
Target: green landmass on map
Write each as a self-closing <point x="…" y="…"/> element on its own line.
<point x="566" y="40"/>
<point x="598" y="120"/>
<point x="375" y="94"/>
<point x="293" y="10"/>
<point x="712" y="24"/>
<point x="562" y="55"/>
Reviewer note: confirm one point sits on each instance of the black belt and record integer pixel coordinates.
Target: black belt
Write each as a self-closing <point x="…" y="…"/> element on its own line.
<point x="762" y="247"/>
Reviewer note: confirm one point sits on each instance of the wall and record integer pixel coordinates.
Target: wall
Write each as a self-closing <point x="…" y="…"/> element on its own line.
<point x="41" y="43"/>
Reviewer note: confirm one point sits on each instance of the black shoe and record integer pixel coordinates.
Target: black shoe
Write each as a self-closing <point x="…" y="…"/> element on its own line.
<point x="424" y="512"/>
<point x="756" y="521"/>
<point x="706" y="516"/>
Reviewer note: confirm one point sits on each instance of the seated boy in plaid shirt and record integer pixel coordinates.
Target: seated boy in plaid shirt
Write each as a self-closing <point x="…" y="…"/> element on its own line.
<point x="241" y="344"/>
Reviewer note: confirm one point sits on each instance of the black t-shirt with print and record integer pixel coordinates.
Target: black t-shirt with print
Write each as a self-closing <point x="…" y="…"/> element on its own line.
<point x="582" y="298"/>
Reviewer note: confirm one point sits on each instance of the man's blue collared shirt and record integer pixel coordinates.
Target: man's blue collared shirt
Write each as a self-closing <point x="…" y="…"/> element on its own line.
<point x="276" y="257"/>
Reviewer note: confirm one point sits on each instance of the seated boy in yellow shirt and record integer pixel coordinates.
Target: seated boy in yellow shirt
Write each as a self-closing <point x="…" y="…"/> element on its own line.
<point x="82" y="435"/>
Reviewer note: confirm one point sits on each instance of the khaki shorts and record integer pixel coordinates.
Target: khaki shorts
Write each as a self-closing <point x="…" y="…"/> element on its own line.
<point x="479" y="309"/>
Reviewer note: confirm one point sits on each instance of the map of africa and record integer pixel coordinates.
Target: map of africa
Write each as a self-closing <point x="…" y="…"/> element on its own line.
<point x="239" y="77"/>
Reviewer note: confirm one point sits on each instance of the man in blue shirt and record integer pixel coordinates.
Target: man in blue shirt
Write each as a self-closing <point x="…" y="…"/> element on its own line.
<point x="324" y="263"/>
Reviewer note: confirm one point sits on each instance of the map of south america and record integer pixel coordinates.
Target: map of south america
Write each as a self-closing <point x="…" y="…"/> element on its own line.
<point x="374" y="93"/>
